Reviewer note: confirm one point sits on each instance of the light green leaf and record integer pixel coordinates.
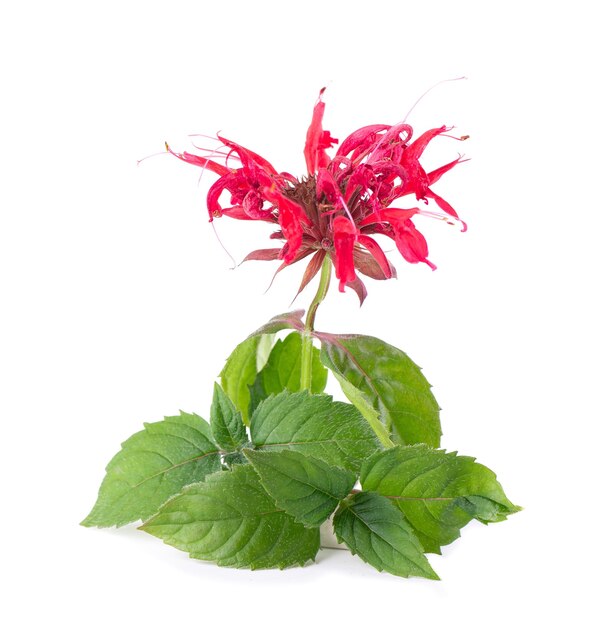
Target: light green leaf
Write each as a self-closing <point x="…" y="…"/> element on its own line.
<point x="314" y="425"/>
<point x="307" y="489"/>
<point x="389" y="381"/>
<point x="438" y="492"/>
<point x="230" y="519"/>
<point x="153" y="465"/>
<point x="283" y="368"/>
<point x="239" y="372"/>
<point x="226" y="422"/>
<point x="377" y="531"/>
<point x="367" y="411"/>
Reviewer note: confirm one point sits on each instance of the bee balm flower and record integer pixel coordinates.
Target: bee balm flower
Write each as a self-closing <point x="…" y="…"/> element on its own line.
<point x="342" y="202"/>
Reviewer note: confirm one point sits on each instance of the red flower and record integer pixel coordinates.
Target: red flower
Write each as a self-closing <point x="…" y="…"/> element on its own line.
<point x="341" y="204"/>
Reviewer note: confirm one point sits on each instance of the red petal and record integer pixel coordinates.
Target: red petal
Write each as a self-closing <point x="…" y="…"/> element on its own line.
<point x="410" y="242"/>
<point x="317" y="139"/>
<point x="389" y="215"/>
<point x="361" y="140"/>
<point x="415" y="149"/>
<point x="214" y="193"/>
<point x="248" y="156"/>
<point x="344" y="236"/>
<point x="194" y="159"/>
<point x="435" y="175"/>
<point x="291" y="217"/>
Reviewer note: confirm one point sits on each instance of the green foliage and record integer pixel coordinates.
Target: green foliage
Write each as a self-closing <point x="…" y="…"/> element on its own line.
<point x="305" y="488"/>
<point x="376" y="530"/>
<point x="389" y="382"/>
<point x="240" y="372"/>
<point x="438" y="492"/>
<point x="226" y="422"/>
<point x="282" y="370"/>
<point x="314" y="425"/>
<point x="231" y="520"/>
<point x="256" y="499"/>
<point x="153" y="465"/>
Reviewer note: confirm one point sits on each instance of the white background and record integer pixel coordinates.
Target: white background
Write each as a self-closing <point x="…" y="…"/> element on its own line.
<point x="119" y="305"/>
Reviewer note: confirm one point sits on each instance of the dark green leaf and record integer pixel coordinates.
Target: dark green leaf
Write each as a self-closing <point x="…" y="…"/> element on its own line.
<point x="314" y="425"/>
<point x="226" y="422"/>
<point x="231" y="520"/>
<point x="307" y="489"/>
<point x="438" y="492"/>
<point x="377" y="531"/>
<point x="389" y="381"/>
<point x="153" y="465"/>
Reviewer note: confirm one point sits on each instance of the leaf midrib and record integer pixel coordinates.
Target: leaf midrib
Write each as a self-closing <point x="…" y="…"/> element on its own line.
<point x="168" y="469"/>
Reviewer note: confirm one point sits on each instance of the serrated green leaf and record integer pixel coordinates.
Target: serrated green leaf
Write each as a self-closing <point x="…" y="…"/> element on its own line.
<point x="283" y="368"/>
<point x="226" y="422"/>
<point x="390" y="382"/>
<point x="438" y="492"/>
<point x="377" y="532"/>
<point x="153" y="465"/>
<point x="306" y="488"/>
<point x="314" y="425"/>
<point x="231" y="520"/>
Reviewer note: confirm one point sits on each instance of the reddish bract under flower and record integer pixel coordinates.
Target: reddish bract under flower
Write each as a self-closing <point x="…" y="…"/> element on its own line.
<point x="341" y="204"/>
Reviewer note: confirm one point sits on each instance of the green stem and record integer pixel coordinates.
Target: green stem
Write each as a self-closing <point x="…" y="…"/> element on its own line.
<point x="306" y="357"/>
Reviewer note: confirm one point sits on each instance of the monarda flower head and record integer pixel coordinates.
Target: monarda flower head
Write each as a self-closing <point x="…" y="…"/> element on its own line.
<point x="340" y="205"/>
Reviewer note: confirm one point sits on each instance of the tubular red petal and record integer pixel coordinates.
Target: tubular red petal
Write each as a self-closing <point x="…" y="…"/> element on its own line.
<point x="415" y="149"/>
<point x="410" y="242"/>
<point x="344" y="237"/>
<point x="327" y="186"/>
<point x="248" y="156"/>
<point x="214" y="193"/>
<point x="435" y="175"/>
<point x="291" y="217"/>
<point x="317" y="139"/>
<point x="199" y="161"/>
<point x="442" y="203"/>
<point x="389" y="215"/>
<point x="362" y="139"/>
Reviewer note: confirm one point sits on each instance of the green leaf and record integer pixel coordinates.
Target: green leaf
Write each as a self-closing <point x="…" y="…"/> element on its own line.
<point x="153" y="465"/>
<point x="239" y="373"/>
<point x="389" y="382"/>
<point x="283" y="369"/>
<point x="231" y="520"/>
<point x="367" y="411"/>
<point x="307" y="489"/>
<point x="377" y="531"/>
<point x="438" y="492"/>
<point x="314" y="425"/>
<point x="226" y="422"/>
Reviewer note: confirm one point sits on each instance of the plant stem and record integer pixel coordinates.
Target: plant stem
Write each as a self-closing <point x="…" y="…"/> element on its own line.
<point x="306" y="356"/>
